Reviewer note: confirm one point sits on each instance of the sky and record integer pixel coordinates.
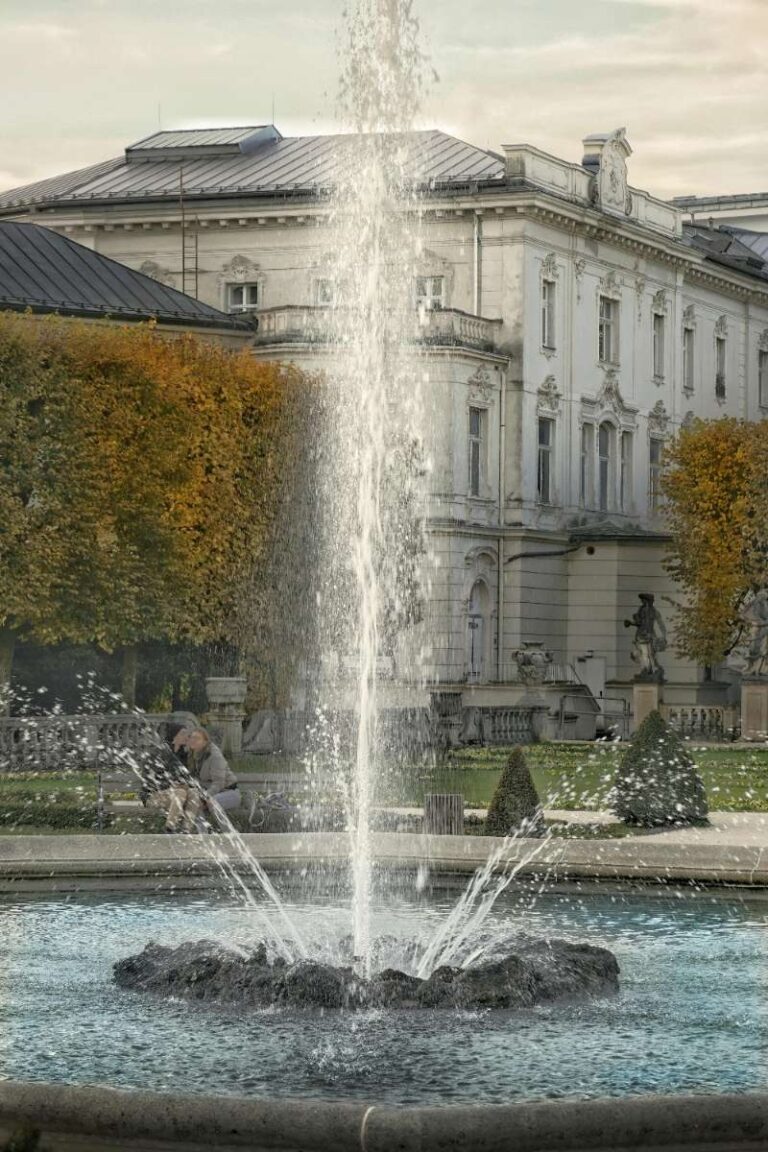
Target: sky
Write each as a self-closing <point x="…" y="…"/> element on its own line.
<point x="688" y="79"/>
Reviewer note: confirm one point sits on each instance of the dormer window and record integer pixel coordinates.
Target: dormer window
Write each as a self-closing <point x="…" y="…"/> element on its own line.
<point x="242" y="297"/>
<point x="430" y="292"/>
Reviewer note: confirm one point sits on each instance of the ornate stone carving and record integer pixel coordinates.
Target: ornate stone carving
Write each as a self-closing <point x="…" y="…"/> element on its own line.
<point x="762" y="340"/>
<point x="238" y="270"/>
<point x="660" y="301"/>
<point x="640" y="286"/>
<point x="610" y="285"/>
<point x="549" y="397"/>
<point x="609" y="153"/>
<point x="721" y="327"/>
<point x="157" y="272"/>
<point x="481" y="380"/>
<point x="532" y="660"/>
<point x="658" y="418"/>
<point x="688" y="419"/>
<point x="750" y="655"/>
<point x="610" y="393"/>
<point x="689" y="317"/>
<point x="579" y="268"/>
<point x="549" y="269"/>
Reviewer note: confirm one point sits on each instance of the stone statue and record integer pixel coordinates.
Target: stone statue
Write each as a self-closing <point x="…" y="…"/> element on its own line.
<point x="650" y="638"/>
<point x="754" y="645"/>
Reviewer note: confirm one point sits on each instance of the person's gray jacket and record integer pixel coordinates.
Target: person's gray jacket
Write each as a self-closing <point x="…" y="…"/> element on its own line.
<point x="213" y="771"/>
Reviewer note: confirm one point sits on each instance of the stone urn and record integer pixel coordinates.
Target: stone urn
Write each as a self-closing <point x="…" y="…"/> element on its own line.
<point x="226" y="697"/>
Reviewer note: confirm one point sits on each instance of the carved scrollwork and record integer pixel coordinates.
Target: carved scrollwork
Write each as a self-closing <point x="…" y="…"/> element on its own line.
<point x="481" y="380"/>
<point x="658" y="418"/>
<point x="549" y="269"/>
<point x="721" y="327"/>
<point x="549" y="397"/>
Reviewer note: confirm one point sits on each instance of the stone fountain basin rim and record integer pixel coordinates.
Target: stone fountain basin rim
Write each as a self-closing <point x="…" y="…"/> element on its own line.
<point x="139" y="857"/>
<point x="115" y="1118"/>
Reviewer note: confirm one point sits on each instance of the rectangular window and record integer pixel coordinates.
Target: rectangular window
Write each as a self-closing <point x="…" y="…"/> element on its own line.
<point x="548" y="314"/>
<point x="587" y="464"/>
<point x="688" y="361"/>
<point x="658" y="346"/>
<point x="546" y="443"/>
<point x="625" y="472"/>
<point x="762" y="377"/>
<point x="656" y="450"/>
<point x="720" y="367"/>
<point x="476" y="445"/>
<point x="429" y="291"/>
<point x="242" y="297"/>
<point x="607" y="331"/>
<point x="605" y="435"/>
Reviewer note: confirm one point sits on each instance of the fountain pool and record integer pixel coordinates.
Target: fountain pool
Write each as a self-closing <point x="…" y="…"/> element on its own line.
<point x="690" y="1016"/>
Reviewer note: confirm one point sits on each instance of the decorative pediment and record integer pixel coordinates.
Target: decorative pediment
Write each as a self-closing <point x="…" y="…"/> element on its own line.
<point x="549" y="397"/>
<point x="610" y="285"/>
<point x="239" y="270"/>
<point x="609" y="402"/>
<point x="658" y="418"/>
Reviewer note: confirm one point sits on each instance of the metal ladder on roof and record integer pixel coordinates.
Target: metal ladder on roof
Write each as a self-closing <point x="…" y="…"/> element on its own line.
<point x="189" y="245"/>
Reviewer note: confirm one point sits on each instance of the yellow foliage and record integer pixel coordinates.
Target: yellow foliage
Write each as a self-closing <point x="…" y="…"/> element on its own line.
<point x="137" y="476"/>
<point x="716" y="486"/>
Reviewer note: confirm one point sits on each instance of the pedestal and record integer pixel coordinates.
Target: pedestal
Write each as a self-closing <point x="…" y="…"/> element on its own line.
<point x="754" y="709"/>
<point x="226" y="696"/>
<point x="645" y="699"/>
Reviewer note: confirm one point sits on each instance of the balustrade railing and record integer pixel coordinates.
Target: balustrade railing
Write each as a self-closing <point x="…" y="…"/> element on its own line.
<point x="702" y="721"/>
<point x="507" y="725"/>
<point x="298" y="323"/>
<point x="78" y="742"/>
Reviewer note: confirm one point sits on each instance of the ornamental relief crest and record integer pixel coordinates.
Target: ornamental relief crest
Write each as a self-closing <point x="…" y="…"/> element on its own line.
<point x="239" y="270"/>
<point x="721" y="327"/>
<point x="660" y="303"/>
<point x="549" y="269"/>
<point x="610" y="188"/>
<point x="689" y="317"/>
<point x="610" y="285"/>
<point x="482" y="383"/>
<point x="158" y="273"/>
<point x="762" y="340"/>
<point x="549" y="397"/>
<point x="658" y="418"/>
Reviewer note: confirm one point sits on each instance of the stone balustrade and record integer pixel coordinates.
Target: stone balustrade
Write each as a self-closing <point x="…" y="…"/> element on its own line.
<point x="443" y="327"/>
<point x="60" y="743"/>
<point x="702" y="721"/>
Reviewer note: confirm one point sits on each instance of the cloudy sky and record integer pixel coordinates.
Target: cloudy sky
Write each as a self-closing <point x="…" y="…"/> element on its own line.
<point x="80" y="79"/>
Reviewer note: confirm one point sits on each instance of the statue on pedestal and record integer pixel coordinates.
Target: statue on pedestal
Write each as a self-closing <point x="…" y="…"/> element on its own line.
<point x="650" y="639"/>
<point x="750" y="656"/>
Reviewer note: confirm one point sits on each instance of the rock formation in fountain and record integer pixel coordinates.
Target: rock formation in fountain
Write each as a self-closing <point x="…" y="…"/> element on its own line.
<point x="530" y="972"/>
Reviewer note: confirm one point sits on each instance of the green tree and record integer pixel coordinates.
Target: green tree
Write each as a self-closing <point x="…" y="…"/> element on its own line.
<point x="515" y="808"/>
<point x="657" y="782"/>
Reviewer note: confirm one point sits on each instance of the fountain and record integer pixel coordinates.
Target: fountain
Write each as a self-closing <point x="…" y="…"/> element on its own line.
<point x="335" y="958"/>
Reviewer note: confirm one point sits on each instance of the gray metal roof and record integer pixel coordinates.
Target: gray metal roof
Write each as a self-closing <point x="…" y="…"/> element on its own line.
<point x="45" y="272"/>
<point x="756" y="241"/>
<point x="305" y="164"/>
<point x="730" y="247"/>
<point x="196" y="137"/>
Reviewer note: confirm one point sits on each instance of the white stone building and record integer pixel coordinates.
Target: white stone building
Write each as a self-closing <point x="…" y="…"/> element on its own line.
<point x="569" y="324"/>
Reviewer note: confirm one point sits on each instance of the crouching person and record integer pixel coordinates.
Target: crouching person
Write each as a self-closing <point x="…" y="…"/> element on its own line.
<point x="216" y="780"/>
<point x="168" y="784"/>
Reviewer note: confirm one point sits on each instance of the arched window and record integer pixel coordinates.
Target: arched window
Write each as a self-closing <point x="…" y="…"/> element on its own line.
<point x="606" y="465"/>
<point x="477" y="631"/>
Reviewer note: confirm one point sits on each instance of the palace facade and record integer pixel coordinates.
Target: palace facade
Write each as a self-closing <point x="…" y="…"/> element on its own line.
<point x="567" y="323"/>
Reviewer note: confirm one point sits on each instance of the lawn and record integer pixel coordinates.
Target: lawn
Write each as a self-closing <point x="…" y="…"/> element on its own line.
<point x="567" y="776"/>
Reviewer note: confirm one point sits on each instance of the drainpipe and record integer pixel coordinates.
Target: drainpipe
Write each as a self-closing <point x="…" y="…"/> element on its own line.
<point x="500" y="547"/>
<point x="477" y="247"/>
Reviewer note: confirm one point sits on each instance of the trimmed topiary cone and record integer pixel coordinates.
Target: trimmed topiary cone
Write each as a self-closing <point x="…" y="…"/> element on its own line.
<point x="515" y="808"/>
<point x="657" y="782"/>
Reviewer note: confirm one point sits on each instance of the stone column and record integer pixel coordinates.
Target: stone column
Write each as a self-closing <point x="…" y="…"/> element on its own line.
<point x="645" y="699"/>
<point x="226" y="696"/>
<point x="754" y="708"/>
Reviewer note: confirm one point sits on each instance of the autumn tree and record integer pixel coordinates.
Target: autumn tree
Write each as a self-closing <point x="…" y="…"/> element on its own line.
<point x="716" y="489"/>
<point x="137" y="481"/>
